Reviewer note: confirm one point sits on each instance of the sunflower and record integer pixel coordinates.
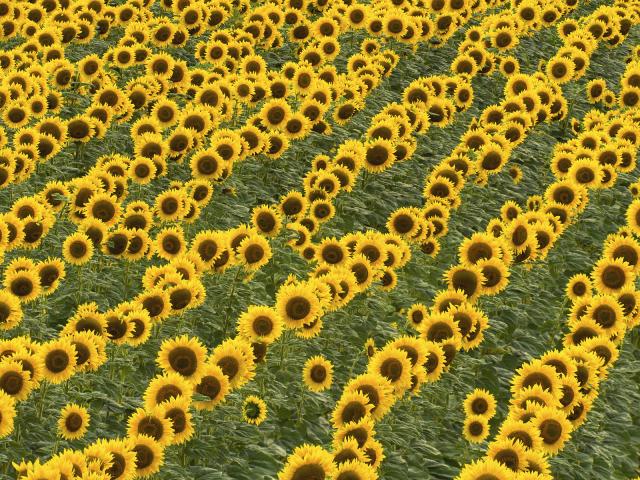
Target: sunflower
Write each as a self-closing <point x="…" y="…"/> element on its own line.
<point x="610" y="276"/>
<point x="118" y="455"/>
<point x="347" y="450"/>
<point x="362" y="431"/>
<point x="90" y="350"/>
<point x="379" y="155"/>
<point x="480" y="402"/>
<point x="625" y="248"/>
<point x="254" y="410"/>
<point x="480" y="246"/>
<point x="77" y="248"/>
<point x="176" y="410"/>
<point x="561" y="361"/>
<point x="7" y="414"/>
<point x="297" y="304"/>
<point x="306" y="462"/>
<point x="275" y="113"/>
<point x="214" y="385"/>
<point x="317" y="373"/>
<point x="509" y="453"/>
<point x="560" y="69"/>
<point x="260" y="323"/>
<point x="152" y="423"/>
<point x="59" y="357"/>
<point x="169" y="205"/>
<point x="475" y="428"/>
<point x="468" y="279"/>
<point x="140" y="322"/>
<point x="27" y="356"/>
<point x="363" y="271"/>
<point x="394" y="365"/>
<point x="15" y="381"/>
<point x="73" y="422"/>
<point x="578" y="286"/>
<point x="23" y="284"/>
<point x="149" y="455"/>
<point x="352" y="407"/>
<point x="554" y="429"/>
<point x="235" y="358"/>
<point x="585" y="172"/>
<point x="607" y="313"/>
<point x="166" y="387"/>
<point x="355" y="470"/>
<point x="504" y="38"/>
<point x="207" y="164"/>
<point x="332" y="252"/>
<point x="254" y="252"/>
<point x="486" y="468"/>
<point x="536" y="373"/>
<point x="183" y="355"/>
<point x="495" y="273"/>
<point x="10" y="310"/>
<point x="520" y="432"/>
<point x="169" y="243"/>
<point x="377" y="389"/>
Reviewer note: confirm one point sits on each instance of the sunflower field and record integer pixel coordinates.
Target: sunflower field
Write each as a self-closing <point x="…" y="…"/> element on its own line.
<point x="319" y="239"/>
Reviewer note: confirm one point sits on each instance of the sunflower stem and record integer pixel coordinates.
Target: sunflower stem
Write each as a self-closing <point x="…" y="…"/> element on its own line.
<point x="231" y="293"/>
<point x="285" y="337"/>
<point x="42" y="399"/>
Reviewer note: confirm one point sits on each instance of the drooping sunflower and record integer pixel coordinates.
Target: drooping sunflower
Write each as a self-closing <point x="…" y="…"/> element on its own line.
<point x="317" y="373"/>
<point x="73" y="422"/>
<point x="183" y="355"/>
